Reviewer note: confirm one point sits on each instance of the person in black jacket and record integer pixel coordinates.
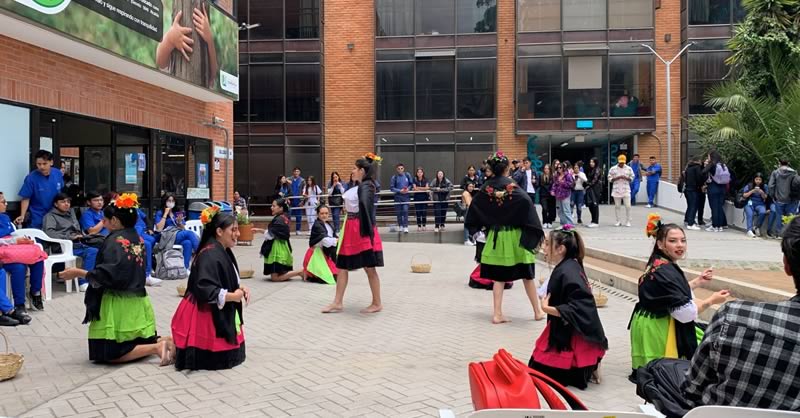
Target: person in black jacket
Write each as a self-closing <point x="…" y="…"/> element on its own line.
<point x="547" y="200"/>
<point x="691" y="184"/>
<point x="594" y="190"/>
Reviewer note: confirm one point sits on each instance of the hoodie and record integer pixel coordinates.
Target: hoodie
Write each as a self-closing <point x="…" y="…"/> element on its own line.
<point x="780" y="184"/>
<point x="693" y="177"/>
<point x="59" y="225"/>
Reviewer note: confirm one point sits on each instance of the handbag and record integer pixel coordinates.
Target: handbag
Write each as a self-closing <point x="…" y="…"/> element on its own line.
<point x="22" y="253"/>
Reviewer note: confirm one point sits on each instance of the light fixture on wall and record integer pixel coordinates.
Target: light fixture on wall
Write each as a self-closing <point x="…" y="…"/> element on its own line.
<point x="351" y="46"/>
<point x="245" y="26"/>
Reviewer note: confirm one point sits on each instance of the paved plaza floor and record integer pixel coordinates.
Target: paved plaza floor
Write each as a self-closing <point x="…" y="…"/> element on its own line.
<point x="409" y="360"/>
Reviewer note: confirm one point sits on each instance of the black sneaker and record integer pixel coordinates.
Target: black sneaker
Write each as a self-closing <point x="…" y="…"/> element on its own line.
<point x="36" y="302"/>
<point x="20" y="314"/>
<point x="7" y="321"/>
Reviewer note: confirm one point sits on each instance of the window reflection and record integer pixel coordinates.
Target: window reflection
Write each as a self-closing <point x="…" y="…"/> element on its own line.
<point x="476" y="16"/>
<point x="539" y="81"/>
<point x="584" y="14"/>
<point x="585" y="87"/>
<point x="706" y="69"/>
<point x="394" y="17"/>
<point x="630" y="85"/>
<point x="435" y="88"/>
<point x="395" y="86"/>
<point x="434" y="17"/>
<point x="539" y="15"/>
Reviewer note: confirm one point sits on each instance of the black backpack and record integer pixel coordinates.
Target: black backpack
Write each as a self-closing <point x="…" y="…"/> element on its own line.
<point x="794" y="191"/>
<point x="660" y="381"/>
<point x="740" y="202"/>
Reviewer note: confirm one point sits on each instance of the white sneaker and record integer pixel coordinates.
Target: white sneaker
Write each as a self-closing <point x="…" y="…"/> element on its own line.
<point x="469" y="243"/>
<point x="751" y="234"/>
<point x="405" y="230"/>
<point x="649" y="206"/>
<point x="628" y="225"/>
<point x="83" y="287"/>
<point x="693" y="227"/>
<point x="593" y="225"/>
<point x="711" y="229"/>
<point x="618" y="224"/>
<point x="719" y="230"/>
<point x="436" y="229"/>
<point x="152" y="281"/>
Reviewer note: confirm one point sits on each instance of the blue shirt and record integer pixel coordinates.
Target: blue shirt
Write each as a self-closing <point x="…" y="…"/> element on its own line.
<point x="141" y="225"/>
<point x="656" y="169"/>
<point x="297" y="190"/>
<point x="6" y="227"/>
<point x="91" y="218"/>
<point x="41" y="190"/>
<point x="637" y="172"/>
<point x="755" y="198"/>
<point x="170" y="219"/>
<point x="398" y="183"/>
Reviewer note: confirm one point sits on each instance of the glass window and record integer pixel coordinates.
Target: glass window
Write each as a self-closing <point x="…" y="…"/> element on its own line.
<point x="434" y="17"/>
<point x="435" y="88"/>
<point x="630" y="80"/>
<point x="539" y="15"/>
<point x="393" y="155"/>
<point x="129" y="178"/>
<point x="469" y="155"/>
<point x="302" y="19"/>
<point x="476" y="88"/>
<point x="309" y="159"/>
<point x="394" y="84"/>
<point x="96" y="170"/>
<point x="240" y="107"/>
<point x="630" y="14"/>
<point x="266" y="164"/>
<point x="539" y="84"/>
<point x="394" y="17"/>
<point x="268" y="15"/>
<point x="585" y="87"/>
<point x="266" y="103"/>
<point x="706" y="69"/>
<point x="200" y="157"/>
<point x="490" y="52"/>
<point x="438" y="157"/>
<point x="476" y="16"/>
<point x="173" y="165"/>
<point x="302" y="92"/>
<point x="241" y="177"/>
<point x="241" y="11"/>
<point x="739" y="12"/>
<point x="709" y="12"/>
<point x="584" y="14"/>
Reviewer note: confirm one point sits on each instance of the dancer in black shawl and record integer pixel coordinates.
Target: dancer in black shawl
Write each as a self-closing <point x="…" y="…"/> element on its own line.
<point x="277" y="250"/>
<point x="513" y="234"/>
<point x="122" y="325"/>
<point x="573" y="342"/>
<point x="207" y="326"/>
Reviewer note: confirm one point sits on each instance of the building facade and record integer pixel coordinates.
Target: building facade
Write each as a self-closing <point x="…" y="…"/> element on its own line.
<point x="439" y="84"/>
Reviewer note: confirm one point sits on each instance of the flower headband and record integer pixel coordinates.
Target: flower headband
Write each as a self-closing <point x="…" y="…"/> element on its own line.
<point x="208" y="214"/>
<point x="653" y="225"/>
<point x="498" y="157"/>
<point x="374" y="157"/>
<point x="567" y="229"/>
<point x="128" y="201"/>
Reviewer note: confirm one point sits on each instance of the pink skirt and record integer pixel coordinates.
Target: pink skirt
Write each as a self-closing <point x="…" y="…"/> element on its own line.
<point x="356" y="252"/>
<point x="583" y="353"/>
<point x="193" y="327"/>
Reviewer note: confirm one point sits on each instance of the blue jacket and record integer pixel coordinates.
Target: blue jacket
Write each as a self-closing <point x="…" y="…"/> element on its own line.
<point x="637" y="171"/>
<point x="297" y="191"/>
<point x="90" y="218"/>
<point x="6" y="228"/>
<point x="398" y="183"/>
<point x="655" y="168"/>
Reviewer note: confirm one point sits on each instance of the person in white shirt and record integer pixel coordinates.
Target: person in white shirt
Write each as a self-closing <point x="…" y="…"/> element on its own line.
<point x="621" y="176"/>
<point x="531" y="181"/>
<point x="579" y="189"/>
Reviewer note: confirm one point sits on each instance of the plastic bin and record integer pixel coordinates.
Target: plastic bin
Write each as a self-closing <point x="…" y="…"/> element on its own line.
<point x="196" y="208"/>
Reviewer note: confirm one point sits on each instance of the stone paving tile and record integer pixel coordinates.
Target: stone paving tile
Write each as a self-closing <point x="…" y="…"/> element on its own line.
<point x="410" y="360"/>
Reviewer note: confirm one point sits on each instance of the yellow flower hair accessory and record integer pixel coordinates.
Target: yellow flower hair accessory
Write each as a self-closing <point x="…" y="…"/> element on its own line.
<point x="653" y="225"/>
<point x="374" y="157"/>
<point x="127" y="201"/>
<point x="208" y="214"/>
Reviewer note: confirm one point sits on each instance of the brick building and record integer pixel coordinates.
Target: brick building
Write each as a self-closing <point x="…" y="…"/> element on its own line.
<point x="115" y="123"/>
<point x="439" y="84"/>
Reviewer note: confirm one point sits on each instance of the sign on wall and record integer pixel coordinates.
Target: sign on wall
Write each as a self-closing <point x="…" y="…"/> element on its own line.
<point x="193" y="40"/>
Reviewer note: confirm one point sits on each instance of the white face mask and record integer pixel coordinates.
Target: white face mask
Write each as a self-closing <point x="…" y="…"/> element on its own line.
<point x="170" y="205"/>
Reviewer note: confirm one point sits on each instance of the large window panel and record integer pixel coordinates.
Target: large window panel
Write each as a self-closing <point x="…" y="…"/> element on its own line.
<point x="539" y="87"/>
<point x="706" y="69"/>
<point x="268" y="14"/>
<point x="630" y="79"/>
<point x="240" y="110"/>
<point x="266" y="164"/>
<point x="302" y="19"/>
<point x="585" y="87"/>
<point x="395" y="90"/>
<point x="266" y="104"/>
<point x="584" y="14"/>
<point x="438" y="157"/>
<point x="630" y="14"/>
<point x="709" y="12"/>
<point x="302" y="93"/>
<point x="434" y="17"/>
<point x="435" y="88"/>
<point x="241" y="175"/>
<point x="309" y="159"/>
<point x="476" y="88"/>
<point x="393" y="155"/>
<point x="469" y="155"/>
<point x="476" y="16"/>
<point x="394" y="17"/>
<point x="539" y="15"/>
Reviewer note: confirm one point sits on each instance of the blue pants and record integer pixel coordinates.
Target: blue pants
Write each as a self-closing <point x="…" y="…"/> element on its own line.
<point x="778" y="211"/>
<point x="149" y="241"/>
<point x="336" y="215"/>
<point x="5" y="304"/>
<point x="297" y="211"/>
<point x="692" y="200"/>
<point x="652" y="191"/>
<point x="18" y="271"/>
<point x="751" y="210"/>
<point x="402" y="214"/>
<point x="189" y="241"/>
<point x="716" y="199"/>
<point x="88" y="254"/>
<point x="634" y="191"/>
<point x="565" y="212"/>
<point x="577" y="200"/>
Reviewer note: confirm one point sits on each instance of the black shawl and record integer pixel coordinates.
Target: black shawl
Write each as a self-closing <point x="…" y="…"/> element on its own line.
<point x="514" y="210"/>
<point x="279" y="228"/>
<point x="215" y="268"/>
<point x="119" y="267"/>
<point x="571" y="294"/>
<point x="366" y="208"/>
<point x="318" y="232"/>
<point x="662" y="289"/>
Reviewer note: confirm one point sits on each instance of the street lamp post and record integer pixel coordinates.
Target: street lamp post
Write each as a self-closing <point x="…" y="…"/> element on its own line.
<point x="669" y="101"/>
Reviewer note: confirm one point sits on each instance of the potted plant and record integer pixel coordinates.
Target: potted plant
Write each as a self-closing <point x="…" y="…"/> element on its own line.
<point x="245" y="227"/>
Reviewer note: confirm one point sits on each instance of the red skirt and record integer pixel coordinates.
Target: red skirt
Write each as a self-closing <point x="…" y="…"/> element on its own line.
<point x="570" y="368"/>
<point x="357" y="252"/>
<point x="196" y="339"/>
<point x="307" y="258"/>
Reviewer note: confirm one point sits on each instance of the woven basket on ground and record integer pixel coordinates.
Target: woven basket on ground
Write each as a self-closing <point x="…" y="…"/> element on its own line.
<point x="247" y="274"/>
<point x="421" y="263"/>
<point x="10" y="363"/>
<point x="181" y="290"/>
<point x="600" y="299"/>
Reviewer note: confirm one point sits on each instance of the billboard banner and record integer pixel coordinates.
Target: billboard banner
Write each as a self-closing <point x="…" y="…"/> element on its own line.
<point x="193" y="40"/>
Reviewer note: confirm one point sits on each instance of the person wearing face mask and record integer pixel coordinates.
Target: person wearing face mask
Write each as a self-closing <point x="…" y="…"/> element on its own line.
<point x="169" y="217"/>
<point x="663" y="321"/>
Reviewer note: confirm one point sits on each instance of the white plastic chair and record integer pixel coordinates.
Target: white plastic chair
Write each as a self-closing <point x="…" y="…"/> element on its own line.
<point x="195" y="226"/>
<point x="738" y="412"/>
<point x="549" y="413"/>
<point x="66" y="257"/>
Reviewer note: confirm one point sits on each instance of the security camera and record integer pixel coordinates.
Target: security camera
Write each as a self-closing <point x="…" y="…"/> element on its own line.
<point x="217" y="120"/>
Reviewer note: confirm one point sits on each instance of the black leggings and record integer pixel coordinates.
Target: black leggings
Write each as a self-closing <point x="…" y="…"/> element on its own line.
<point x="594" y="209"/>
<point x="548" y="208"/>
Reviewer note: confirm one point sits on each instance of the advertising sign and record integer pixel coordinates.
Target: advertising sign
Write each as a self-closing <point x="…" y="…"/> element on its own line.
<point x="193" y="40"/>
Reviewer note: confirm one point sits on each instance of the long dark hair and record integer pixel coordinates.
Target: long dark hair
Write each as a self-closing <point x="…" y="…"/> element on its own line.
<point x="790" y="245"/>
<point x="753" y="183"/>
<point x="334" y="173"/>
<point x="497" y="165"/>
<point x="368" y="166"/>
<point x="127" y="217"/>
<point x="715" y="157"/>
<point x="416" y="175"/>
<point x="164" y="202"/>
<point x="282" y="203"/>
<point x="279" y="184"/>
<point x="220" y="220"/>
<point x="572" y="241"/>
<point x="661" y="235"/>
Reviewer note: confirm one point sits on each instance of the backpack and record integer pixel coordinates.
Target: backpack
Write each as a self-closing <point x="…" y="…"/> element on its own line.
<point x="682" y="182"/>
<point x="794" y="190"/>
<point x="722" y="175"/>
<point x="659" y="382"/>
<point x="169" y="265"/>
<point x="740" y="202"/>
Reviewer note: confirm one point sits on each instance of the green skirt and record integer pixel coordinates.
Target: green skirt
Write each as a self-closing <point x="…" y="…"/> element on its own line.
<point x="125" y="322"/>
<point x="279" y="260"/>
<point x="649" y="337"/>
<point x="503" y="259"/>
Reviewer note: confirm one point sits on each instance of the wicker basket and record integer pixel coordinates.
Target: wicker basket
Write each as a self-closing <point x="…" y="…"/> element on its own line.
<point x="247" y="274"/>
<point x="421" y="263"/>
<point x="10" y="363"/>
<point x="600" y="299"/>
<point x="181" y="290"/>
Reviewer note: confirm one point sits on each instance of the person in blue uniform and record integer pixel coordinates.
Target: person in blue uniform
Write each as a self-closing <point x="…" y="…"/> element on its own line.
<point x="401" y="185"/>
<point x="296" y="201"/>
<point x="39" y="189"/>
<point x="636" y="166"/>
<point x="92" y="217"/>
<point x="653" y="174"/>
<point x="16" y="261"/>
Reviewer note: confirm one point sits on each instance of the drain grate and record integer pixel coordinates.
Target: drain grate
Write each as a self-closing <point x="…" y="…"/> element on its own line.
<point x="608" y="290"/>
